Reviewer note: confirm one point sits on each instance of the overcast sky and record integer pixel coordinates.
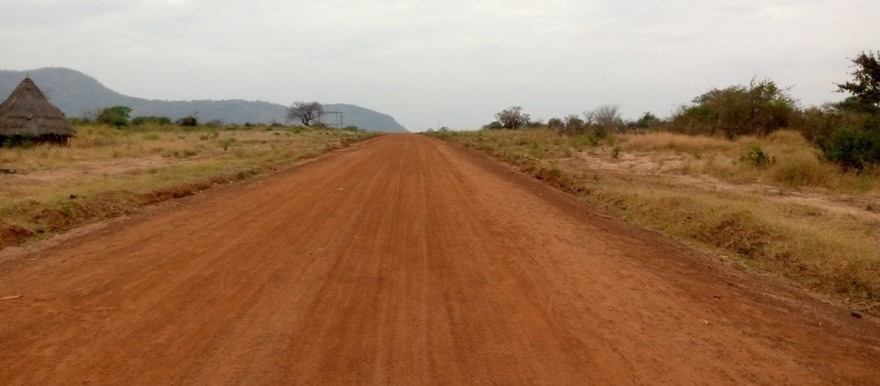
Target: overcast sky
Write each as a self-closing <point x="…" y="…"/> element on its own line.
<point x="451" y="63"/>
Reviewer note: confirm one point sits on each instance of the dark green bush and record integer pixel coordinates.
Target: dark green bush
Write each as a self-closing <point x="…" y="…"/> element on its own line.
<point x="143" y="120"/>
<point x="189" y="121"/>
<point x="25" y="141"/>
<point x="494" y="125"/>
<point x="114" y="116"/>
<point x="817" y="123"/>
<point x="855" y="148"/>
<point x="646" y="121"/>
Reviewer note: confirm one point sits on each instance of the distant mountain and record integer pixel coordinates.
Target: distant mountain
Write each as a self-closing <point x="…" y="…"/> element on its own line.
<point x="78" y="95"/>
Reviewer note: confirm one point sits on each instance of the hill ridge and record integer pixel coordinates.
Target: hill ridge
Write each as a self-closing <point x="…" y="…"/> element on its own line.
<point x="78" y="95"/>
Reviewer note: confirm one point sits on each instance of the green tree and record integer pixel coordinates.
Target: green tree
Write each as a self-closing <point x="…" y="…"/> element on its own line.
<point x="647" y="120"/>
<point x="760" y="108"/>
<point x="512" y="118"/>
<point x="555" y="124"/>
<point x="866" y="82"/>
<point x="115" y="116"/>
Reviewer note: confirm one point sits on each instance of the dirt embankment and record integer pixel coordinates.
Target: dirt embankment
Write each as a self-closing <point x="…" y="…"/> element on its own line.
<point x="406" y="261"/>
<point x="79" y="210"/>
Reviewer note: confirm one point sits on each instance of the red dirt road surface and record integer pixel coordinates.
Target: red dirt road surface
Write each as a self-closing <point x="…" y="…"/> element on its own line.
<point x="406" y="260"/>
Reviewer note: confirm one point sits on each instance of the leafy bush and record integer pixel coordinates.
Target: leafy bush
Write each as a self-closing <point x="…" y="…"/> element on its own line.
<point x="494" y="125"/>
<point x="189" y="121"/>
<point x="648" y="120"/>
<point x="855" y="148"/>
<point x="759" y="108"/>
<point x="114" y="116"/>
<point x="143" y="120"/>
<point x="24" y="141"/>
<point x="756" y="156"/>
<point x="817" y="123"/>
<point x="79" y="121"/>
<point x="536" y="124"/>
<point x="573" y="125"/>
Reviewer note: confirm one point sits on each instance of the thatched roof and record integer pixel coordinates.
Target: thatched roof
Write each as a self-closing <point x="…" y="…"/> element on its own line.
<point x="27" y="112"/>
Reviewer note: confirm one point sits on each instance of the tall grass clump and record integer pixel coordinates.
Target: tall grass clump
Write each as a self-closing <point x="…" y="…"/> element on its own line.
<point x="677" y="142"/>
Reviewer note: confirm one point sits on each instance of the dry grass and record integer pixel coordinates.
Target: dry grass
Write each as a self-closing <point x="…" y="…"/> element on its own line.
<point x="796" y="217"/>
<point x="794" y="163"/>
<point x="678" y="143"/>
<point x="108" y="172"/>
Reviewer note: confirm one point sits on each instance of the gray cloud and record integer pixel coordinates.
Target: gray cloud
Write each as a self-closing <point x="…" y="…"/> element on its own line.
<point x="454" y="63"/>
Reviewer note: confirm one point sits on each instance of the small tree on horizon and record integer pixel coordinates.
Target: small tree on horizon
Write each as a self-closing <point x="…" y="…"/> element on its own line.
<point x="114" y="116"/>
<point x="573" y="124"/>
<point x="647" y="120"/>
<point x="512" y="118"/>
<point x="604" y="119"/>
<point x="305" y="112"/>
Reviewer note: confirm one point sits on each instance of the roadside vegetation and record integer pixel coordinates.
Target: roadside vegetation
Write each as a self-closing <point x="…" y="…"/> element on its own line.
<point x="115" y="166"/>
<point x="743" y="171"/>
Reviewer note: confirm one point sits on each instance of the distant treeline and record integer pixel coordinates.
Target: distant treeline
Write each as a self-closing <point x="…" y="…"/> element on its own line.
<point x="120" y="117"/>
<point x="847" y="132"/>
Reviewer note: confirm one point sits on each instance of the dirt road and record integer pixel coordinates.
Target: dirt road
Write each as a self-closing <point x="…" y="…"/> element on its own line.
<point x="406" y="260"/>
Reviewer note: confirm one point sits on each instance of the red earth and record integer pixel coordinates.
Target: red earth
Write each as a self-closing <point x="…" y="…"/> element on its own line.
<point x="406" y="260"/>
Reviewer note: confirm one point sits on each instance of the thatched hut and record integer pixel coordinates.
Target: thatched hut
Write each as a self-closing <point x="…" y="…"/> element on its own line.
<point x="28" y="115"/>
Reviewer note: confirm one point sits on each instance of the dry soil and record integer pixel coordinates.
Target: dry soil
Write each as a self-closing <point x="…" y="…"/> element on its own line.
<point x="406" y="260"/>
